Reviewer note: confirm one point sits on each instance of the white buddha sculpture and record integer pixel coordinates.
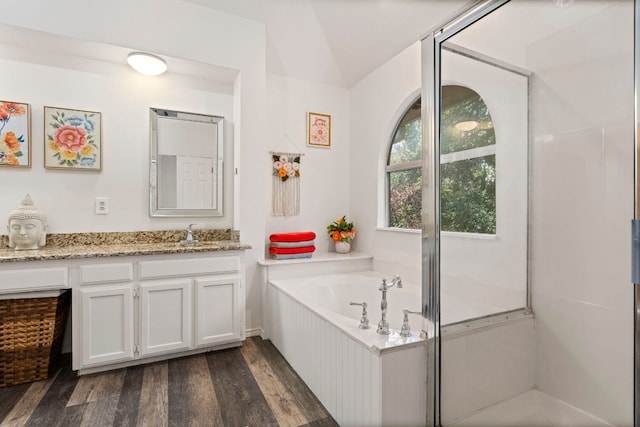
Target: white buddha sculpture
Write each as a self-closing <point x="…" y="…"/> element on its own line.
<point x="27" y="226"/>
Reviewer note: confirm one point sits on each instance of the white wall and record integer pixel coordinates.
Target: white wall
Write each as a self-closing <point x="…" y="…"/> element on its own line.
<point x="222" y="40"/>
<point x="582" y="205"/>
<point x="324" y="172"/>
<point x="157" y="26"/>
<point x="123" y="97"/>
<point x="377" y="104"/>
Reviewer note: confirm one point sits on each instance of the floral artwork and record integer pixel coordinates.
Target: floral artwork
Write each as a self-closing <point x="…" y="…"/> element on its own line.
<point x="319" y="130"/>
<point x="72" y="139"/>
<point x="15" y="140"/>
<point x="285" y="167"/>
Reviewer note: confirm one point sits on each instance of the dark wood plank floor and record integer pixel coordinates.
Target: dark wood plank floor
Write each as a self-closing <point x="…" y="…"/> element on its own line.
<point x="248" y="386"/>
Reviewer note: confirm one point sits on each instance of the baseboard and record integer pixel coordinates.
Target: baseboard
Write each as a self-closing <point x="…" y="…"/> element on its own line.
<point x="254" y="332"/>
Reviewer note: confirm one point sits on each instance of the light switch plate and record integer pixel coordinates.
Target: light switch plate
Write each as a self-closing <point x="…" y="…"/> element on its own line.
<point x="102" y="205"/>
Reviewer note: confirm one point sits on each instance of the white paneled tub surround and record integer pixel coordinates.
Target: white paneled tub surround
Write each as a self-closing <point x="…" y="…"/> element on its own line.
<point x="361" y="377"/>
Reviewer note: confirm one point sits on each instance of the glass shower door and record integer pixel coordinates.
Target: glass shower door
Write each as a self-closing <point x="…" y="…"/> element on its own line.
<point x="529" y="191"/>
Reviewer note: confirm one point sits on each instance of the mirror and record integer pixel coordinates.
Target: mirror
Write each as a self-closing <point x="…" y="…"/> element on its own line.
<point x="186" y="164"/>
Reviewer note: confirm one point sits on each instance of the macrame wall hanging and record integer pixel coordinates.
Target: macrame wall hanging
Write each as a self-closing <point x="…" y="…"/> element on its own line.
<point x="286" y="181"/>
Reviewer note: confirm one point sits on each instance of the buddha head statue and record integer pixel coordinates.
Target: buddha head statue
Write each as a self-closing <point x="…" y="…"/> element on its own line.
<point x="27" y="226"/>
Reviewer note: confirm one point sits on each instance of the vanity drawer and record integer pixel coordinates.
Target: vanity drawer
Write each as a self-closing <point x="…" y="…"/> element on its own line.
<point x="189" y="267"/>
<point x="106" y="273"/>
<point x="34" y="279"/>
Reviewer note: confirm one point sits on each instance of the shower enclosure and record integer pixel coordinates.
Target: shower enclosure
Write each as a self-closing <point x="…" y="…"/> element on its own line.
<point x="528" y="118"/>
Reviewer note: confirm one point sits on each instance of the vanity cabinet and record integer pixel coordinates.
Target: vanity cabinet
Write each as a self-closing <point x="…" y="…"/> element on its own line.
<point x="105" y="289"/>
<point x="165" y="316"/>
<point x="107" y="324"/>
<point x="147" y="308"/>
<point x="222" y="324"/>
<point x="37" y="277"/>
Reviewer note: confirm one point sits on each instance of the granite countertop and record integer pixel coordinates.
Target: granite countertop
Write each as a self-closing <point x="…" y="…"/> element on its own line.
<point x="97" y="245"/>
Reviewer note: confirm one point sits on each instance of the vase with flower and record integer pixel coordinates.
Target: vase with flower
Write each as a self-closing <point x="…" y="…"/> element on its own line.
<point x="342" y="233"/>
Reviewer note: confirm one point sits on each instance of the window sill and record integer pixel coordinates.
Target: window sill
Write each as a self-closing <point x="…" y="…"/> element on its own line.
<point x="400" y="230"/>
<point x="478" y="236"/>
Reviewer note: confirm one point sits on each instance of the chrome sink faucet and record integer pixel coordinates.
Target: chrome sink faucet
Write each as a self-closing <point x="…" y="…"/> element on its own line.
<point x="189" y="238"/>
<point x="383" y="324"/>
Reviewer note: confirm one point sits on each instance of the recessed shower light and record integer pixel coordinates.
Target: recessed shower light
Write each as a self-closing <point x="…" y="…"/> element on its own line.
<point x="147" y="63"/>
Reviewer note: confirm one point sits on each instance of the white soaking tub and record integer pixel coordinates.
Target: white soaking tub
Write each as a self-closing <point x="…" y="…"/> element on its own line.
<point x="361" y="377"/>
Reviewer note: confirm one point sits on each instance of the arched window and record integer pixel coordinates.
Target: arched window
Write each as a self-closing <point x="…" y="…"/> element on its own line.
<point x="468" y="165"/>
<point x="404" y="171"/>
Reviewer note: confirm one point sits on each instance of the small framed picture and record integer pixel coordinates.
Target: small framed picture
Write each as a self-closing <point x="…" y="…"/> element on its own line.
<point x="73" y="139"/>
<point x="319" y="130"/>
<point x="15" y="134"/>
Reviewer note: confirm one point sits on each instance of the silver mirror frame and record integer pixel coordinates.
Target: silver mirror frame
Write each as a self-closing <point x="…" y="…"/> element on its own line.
<point x="154" y="209"/>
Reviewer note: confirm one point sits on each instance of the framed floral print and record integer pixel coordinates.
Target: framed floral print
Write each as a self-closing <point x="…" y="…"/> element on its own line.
<point x="318" y="130"/>
<point x="73" y="139"/>
<point x="15" y="134"/>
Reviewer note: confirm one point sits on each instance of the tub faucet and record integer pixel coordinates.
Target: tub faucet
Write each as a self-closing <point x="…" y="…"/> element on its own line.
<point x="405" y="331"/>
<point x="383" y="324"/>
<point x="364" y="321"/>
<point x="396" y="281"/>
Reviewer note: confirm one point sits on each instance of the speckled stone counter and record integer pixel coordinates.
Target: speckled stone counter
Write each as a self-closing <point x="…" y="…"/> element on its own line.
<point x="97" y="245"/>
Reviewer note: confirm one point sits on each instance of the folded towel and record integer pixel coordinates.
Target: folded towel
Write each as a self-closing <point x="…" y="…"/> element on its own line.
<point x="302" y="250"/>
<point x="292" y="244"/>
<point x="299" y="236"/>
<point x="291" y="256"/>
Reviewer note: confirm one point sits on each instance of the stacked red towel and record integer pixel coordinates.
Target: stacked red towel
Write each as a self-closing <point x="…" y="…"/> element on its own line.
<point x="300" y="244"/>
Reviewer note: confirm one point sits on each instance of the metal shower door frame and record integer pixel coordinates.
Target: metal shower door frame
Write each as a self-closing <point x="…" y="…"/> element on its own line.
<point x="431" y="81"/>
<point x="635" y="264"/>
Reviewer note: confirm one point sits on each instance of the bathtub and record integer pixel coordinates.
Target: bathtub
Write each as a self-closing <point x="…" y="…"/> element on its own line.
<point x="361" y="377"/>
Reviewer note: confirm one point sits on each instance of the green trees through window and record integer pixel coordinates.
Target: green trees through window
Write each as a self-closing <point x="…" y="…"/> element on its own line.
<point x="404" y="171"/>
<point x="468" y="166"/>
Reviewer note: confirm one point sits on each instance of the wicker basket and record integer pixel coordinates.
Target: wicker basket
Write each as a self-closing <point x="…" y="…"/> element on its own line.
<point x="31" y="333"/>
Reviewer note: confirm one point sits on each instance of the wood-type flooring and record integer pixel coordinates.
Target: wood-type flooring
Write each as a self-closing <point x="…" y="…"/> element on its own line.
<point x="252" y="385"/>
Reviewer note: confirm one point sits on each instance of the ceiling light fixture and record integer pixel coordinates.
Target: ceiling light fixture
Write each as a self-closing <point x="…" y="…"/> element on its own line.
<point x="466" y="126"/>
<point x="146" y="63"/>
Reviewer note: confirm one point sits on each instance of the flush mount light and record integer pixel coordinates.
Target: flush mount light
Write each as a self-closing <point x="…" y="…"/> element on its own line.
<point x="466" y="126"/>
<point x="147" y="63"/>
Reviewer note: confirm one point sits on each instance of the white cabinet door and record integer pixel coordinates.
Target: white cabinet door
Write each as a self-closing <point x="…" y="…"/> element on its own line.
<point x="107" y="324"/>
<point x="165" y="316"/>
<point x="218" y="311"/>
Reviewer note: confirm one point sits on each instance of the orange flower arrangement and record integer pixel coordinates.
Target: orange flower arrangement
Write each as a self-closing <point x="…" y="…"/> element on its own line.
<point x="341" y="230"/>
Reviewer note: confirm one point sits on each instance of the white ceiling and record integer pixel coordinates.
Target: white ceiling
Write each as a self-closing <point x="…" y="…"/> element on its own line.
<point x="337" y="42"/>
